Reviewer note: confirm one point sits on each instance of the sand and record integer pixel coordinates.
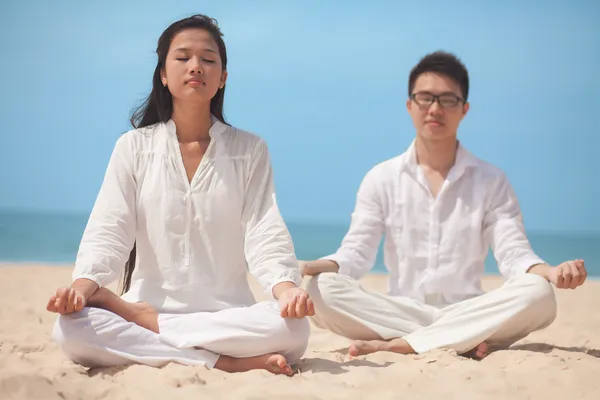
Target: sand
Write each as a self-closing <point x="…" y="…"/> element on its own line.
<point x="560" y="362"/>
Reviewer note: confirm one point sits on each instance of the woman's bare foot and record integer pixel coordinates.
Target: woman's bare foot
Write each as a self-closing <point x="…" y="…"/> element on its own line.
<point x="362" y="347"/>
<point x="142" y="314"/>
<point x="479" y="353"/>
<point x="274" y="363"/>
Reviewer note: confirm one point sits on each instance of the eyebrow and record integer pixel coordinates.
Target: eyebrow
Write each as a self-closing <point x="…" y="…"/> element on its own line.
<point x="185" y="49"/>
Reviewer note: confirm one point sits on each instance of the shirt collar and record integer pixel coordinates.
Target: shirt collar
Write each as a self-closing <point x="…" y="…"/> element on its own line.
<point x="464" y="160"/>
<point x="217" y="128"/>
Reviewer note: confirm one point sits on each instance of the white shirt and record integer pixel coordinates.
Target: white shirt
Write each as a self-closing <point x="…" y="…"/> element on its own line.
<point x="195" y="242"/>
<point x="435" y="248"/>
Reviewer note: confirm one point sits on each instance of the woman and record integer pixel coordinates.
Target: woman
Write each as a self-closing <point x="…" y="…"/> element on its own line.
<point x="194" y="198"/>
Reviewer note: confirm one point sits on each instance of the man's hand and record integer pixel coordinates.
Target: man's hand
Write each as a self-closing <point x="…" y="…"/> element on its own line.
<point x="312" y="268"/>
<point x="66" y="301"/>
<point x="568" y="275"/>
<point x="295" y="303"/>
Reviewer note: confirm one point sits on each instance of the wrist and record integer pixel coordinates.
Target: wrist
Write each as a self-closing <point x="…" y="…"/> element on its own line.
<point x="320" y="266"/>
<point x="85" y="286"/>
<point x="282" y="287"/>
<point x="542" y="270"/>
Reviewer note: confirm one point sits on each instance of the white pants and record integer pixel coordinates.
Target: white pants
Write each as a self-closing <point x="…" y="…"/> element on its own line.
<point x="500" y="317"/>
<point x="95" y="337"/>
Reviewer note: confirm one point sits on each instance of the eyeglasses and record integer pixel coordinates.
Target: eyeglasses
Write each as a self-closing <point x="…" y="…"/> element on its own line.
<point x="446" y="100"/>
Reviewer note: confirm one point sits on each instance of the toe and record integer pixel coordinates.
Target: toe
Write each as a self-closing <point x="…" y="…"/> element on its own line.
<point x="353" y="350"/>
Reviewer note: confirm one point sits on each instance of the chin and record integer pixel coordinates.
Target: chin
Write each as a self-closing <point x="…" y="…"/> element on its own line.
<point x="195" y="95"/>
<point x="436" y="134"/>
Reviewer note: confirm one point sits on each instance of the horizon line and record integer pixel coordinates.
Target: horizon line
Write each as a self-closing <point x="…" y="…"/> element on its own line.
<point x="323" y="223"/>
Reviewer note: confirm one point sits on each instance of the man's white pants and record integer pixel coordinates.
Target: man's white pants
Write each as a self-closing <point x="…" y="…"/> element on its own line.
<point x="94" y="337"/>
<point x="500" y="317"/>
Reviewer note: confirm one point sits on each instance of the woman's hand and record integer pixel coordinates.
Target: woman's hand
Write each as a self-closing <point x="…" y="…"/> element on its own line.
<point x="295" y="303"/>
<point x="66" y="300"/>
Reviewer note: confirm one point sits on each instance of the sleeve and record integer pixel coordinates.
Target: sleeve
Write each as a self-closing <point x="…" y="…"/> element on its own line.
<point x="505" y="231"/>
<point x="268" y="245"/>
<point x="358" y="250"/>
<point x="110" y="232"/>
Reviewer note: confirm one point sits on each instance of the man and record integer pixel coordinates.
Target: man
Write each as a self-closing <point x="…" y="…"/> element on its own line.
<point x="440" y="209"/>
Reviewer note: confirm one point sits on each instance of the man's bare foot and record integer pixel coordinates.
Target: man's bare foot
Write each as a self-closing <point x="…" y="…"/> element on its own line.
<point x="362" y="347"/>
<point x="274" y="363"/>
<point x="479" y="353"/>
<point x="142" y="314"/>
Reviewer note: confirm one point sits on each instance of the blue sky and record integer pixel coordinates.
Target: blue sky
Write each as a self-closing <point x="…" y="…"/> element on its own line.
<point x="323" y="83"/>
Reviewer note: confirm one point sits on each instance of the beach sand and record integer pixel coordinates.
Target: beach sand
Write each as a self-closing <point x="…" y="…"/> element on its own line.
<point x="560" y="362"/>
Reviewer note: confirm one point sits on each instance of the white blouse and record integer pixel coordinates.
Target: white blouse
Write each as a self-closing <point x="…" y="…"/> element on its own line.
<point x="195" y="241"/>
<point x="435" y="248"/>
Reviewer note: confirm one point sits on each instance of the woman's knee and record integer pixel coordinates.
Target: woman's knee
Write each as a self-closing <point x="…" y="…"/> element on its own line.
<point x="74" y="334"/>
<point x="289" y="336"/>
<point x="298" y="334"/>
<point x="66" y="335"/>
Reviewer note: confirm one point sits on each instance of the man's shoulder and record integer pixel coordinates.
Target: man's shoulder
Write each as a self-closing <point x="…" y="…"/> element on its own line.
<point x="387" y="168"/>
<point x="487" y="171"/>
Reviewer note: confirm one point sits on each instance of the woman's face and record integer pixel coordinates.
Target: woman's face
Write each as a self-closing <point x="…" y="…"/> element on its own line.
<point x="193" y="70"/>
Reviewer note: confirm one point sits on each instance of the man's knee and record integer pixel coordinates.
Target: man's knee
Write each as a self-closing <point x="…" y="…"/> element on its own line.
<point x="325" y="289"/>
<point x="539" y="297"/>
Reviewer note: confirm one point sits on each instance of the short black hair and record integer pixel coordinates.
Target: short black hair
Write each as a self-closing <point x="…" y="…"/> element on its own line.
<point x="444" y="63"/>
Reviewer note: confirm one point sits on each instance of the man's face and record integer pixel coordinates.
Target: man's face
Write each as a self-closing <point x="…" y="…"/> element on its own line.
<point x="436" y="118"/>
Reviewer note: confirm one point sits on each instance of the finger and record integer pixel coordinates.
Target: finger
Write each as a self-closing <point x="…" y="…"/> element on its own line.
<point x="70" y="301"/>
<point x="301" y="306"/>
<point x="580" y="264"/>
<point x="568" y="274"/>
<point x="60" y="303"/>
<point x="78" y="302"/>
<point x="584" y="274"/>
<point x="311" y="307"/>
<point x="576" y="280"/>
<point x="306" y="305"/>
<point x="60" y="292"/>
<point x="51" y="304"/>
<point x="559" y="278"/>
<point x="292" y="307"/>
<point x="283" y="310"/>
<point x="65" y="300"/>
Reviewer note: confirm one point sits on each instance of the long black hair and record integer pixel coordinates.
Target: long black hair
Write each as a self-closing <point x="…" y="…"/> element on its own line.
<point x="158" y="106"/>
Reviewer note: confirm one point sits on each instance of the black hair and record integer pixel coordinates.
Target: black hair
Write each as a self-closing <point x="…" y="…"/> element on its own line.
<point x="444" y="63"/>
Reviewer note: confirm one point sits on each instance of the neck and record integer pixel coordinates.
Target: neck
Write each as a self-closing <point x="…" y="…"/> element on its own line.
<point x="192" y="121"/>
<point x="438" y="155"/>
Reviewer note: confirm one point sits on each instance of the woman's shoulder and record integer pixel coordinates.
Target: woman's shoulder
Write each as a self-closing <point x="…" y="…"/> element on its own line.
<point x="242" y="140"/>
<point x="144" y="138"/>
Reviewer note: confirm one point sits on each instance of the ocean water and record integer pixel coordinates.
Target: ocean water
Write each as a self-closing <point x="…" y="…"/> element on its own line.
<point x="54" y="239"/>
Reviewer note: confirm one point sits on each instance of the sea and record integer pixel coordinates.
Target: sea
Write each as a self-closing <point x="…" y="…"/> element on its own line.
<point x="53" y="239"/>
